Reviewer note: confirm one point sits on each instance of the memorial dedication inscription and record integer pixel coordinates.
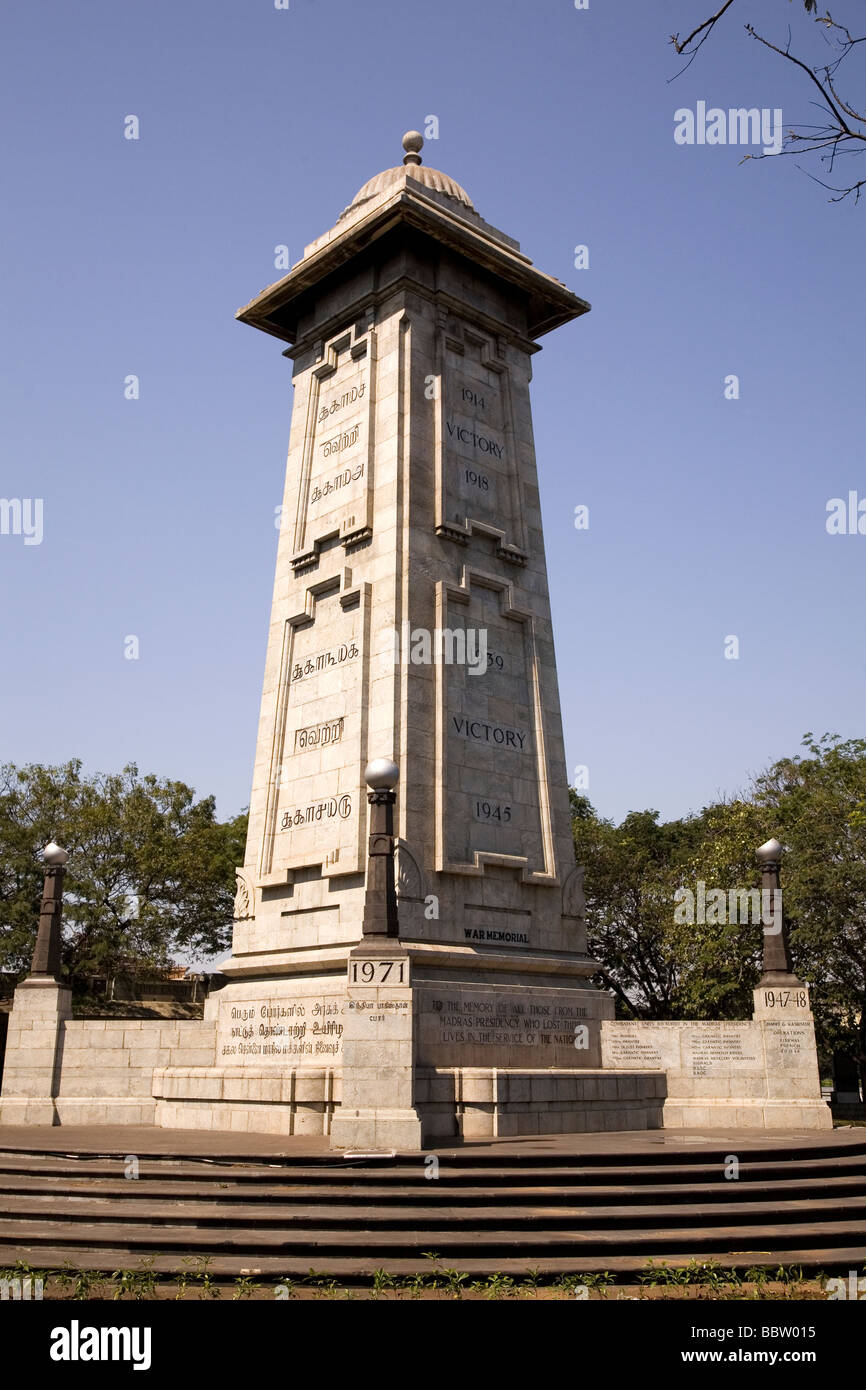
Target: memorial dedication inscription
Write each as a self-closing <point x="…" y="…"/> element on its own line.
<point x="498" y="1027"/>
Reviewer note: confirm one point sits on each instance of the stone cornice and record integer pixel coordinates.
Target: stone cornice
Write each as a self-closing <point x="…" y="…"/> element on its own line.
<point x="549" y="302"/>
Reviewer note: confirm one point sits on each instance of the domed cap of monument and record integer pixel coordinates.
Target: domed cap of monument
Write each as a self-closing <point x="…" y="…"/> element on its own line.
<point x="413" y="143"/>
<point x="416" y="207"/>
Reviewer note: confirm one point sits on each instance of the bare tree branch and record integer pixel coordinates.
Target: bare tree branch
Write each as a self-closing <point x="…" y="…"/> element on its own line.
<point x="845" y="125"/>
<point x="708" y="24"/>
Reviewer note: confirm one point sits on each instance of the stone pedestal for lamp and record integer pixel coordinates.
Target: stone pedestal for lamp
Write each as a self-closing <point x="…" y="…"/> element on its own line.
<point x="377" y="1110"/>
<point x="41" y="1006"/>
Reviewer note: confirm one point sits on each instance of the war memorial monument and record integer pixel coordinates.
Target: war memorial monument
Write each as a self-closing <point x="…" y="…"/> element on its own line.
<point x="409" y="960"/>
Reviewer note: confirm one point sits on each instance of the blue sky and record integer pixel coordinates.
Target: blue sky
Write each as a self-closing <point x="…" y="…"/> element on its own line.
<point x="257" y="126"/>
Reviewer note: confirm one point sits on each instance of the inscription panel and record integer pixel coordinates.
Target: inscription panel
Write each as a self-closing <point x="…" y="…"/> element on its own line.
<point x="715" y="1059"/>
<point x="318" y="796"/>
<point x="500" y="1027"/>
<point x="491" y="749"/>
<point x="781" y="1001"/>
<point x="699" y="1050"/>
<point x="334" y="498"/>
<point x="478" y="472"/>
<point x="316" y="735"/>
<point x="338" y="481"/>
<point x="378" y="972"/>
<point x="717" y="1049"/>
<point x="315" y="797"/>
<point x="302" y="1028"/>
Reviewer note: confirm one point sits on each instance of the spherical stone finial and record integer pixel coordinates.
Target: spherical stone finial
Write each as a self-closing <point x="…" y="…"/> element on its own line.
<point x="413" y="144"/>
<point x="770" y="852"/>
<point x="382" y="774"/>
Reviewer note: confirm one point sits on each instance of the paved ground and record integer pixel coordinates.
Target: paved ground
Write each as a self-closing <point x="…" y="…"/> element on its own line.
<point x="187" y="1143"/>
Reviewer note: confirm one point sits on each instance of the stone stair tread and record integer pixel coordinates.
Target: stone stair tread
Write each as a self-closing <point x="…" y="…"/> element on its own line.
<point x="642" y="1146"/>
<point x="492" y="1153"/>
<point x="423" y="1190"/>
<point x="189" y="1235"/>
<point x="393" y="1172"/>
<point x="229" y="1266"/>
<point x="145" y="1209"/>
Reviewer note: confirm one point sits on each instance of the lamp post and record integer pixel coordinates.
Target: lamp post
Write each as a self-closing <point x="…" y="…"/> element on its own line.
<point x="777" y="953"/>
<point x="380" y="899"/>
<point x="46" y="955"/>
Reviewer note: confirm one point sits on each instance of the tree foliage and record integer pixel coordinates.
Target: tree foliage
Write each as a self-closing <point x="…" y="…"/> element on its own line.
<point x="815" y="803"/>
<point x="151" y="870"/>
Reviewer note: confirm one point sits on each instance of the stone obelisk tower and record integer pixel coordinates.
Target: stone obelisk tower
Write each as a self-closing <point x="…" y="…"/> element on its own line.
<point x="411" y="622"/>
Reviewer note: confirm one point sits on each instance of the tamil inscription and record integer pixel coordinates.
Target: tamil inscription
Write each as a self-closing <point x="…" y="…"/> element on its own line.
<point x="273" y="1030"/>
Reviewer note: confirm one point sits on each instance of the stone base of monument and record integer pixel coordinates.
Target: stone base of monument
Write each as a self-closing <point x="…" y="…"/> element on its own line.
<point x="254" y="1100"/>
<point x="385" y="1062"/>
<point x="449" y="1103"/>
<point x="376" y="1060"/>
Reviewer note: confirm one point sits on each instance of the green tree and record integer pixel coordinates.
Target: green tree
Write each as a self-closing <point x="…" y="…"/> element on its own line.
<point x="631" y="873"/>
<point x="660" y="968"/>
<point x="151" y="871"/>
<point x="720" y="962"/>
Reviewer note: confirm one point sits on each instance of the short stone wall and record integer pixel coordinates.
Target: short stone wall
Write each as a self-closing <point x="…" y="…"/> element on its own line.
<point x="756" y="1074"/>
<point x="61" y="1070"/>
<point x="477" y="1102"/>
<point x="472" y="1102"/>
<point x="106" y="1066"/>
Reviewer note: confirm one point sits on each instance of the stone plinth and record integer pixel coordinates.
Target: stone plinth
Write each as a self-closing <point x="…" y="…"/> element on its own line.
<point x="32" y="1064"/>
<point x="378" y="1109"/>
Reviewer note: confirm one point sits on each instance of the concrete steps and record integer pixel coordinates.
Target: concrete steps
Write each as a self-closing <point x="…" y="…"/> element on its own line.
<point x="142" y="1211"/>
<point x="264" y="1195"/>
<point x="489" y="1210"/>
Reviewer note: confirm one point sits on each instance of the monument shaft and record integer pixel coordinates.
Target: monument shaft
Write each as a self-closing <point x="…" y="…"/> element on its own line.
<point x="411" y="620"/>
